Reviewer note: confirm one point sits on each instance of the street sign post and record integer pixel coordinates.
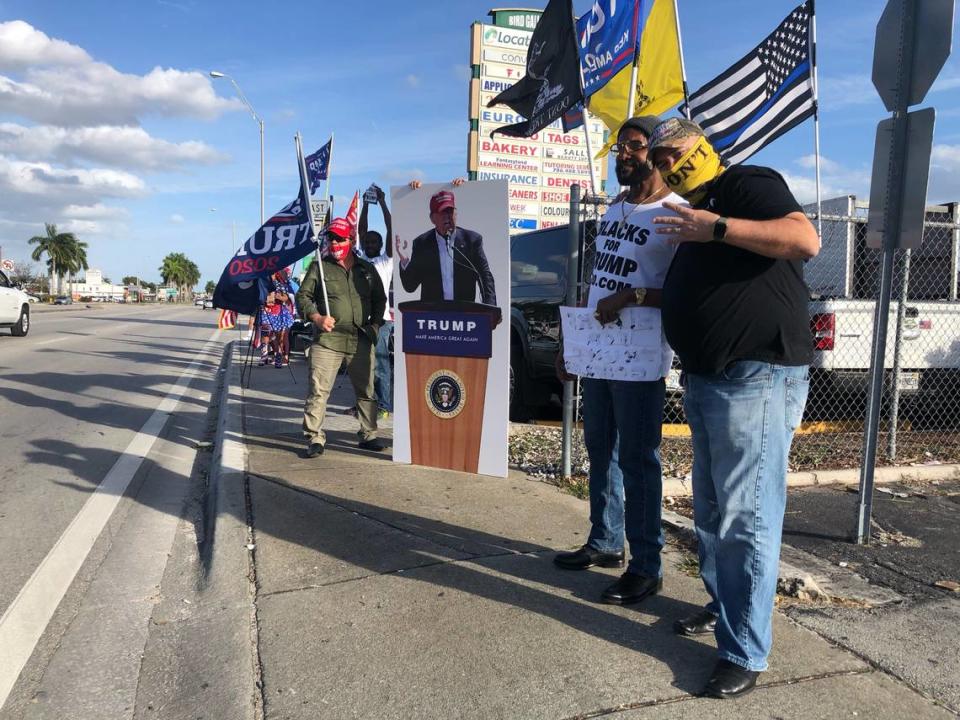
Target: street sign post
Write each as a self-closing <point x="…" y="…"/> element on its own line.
<point x="913" y="41"/>
<point x="931" y="20"/>
<point x="912" y="163"/>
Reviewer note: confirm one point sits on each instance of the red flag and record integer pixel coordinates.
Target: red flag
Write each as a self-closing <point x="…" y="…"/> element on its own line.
<point x="353" y="214"/>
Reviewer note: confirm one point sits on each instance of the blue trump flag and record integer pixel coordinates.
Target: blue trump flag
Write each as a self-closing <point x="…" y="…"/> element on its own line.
<point x="318" y="166"/>
<point x="607" y="39"/>
<point x="284" y="238"/>
<point x="607" y="42"/>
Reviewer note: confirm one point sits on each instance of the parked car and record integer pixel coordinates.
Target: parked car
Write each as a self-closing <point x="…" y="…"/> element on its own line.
<point x="14" y="307"/>
<point x="208" y="304"/>
<point x="538" y="285"/>
<point x="63" y="300"/>
<point x="33" y="299"/>
<point x="198" y="302"/>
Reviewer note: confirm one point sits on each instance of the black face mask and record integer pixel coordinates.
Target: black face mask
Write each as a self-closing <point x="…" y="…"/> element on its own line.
<point x="633" y="174"/>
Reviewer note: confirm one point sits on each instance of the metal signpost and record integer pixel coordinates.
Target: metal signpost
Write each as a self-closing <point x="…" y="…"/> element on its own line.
<point x="573" y="262"/>
<point x="904" y="68"/>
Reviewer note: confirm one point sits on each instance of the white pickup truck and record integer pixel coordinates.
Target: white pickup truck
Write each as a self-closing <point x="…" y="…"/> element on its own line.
<point x="14" y="307"/>
<point x="844" y="282"/>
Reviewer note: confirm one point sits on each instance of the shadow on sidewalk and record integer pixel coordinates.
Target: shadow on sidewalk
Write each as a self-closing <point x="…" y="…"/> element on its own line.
<point x="500" y="569"/>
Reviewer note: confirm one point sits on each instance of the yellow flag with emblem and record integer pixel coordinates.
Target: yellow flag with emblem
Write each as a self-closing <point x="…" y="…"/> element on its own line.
<point x="659" y="75"/>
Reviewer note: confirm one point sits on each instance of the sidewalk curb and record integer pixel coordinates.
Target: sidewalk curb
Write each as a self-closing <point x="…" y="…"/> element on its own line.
<point x="228" y="510"/>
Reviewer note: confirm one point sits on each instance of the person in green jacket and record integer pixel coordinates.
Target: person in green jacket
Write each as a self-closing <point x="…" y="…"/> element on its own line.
<point x="345" y="332"/>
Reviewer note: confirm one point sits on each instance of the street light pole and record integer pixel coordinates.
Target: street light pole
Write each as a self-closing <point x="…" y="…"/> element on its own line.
<point x="216" y="74"/>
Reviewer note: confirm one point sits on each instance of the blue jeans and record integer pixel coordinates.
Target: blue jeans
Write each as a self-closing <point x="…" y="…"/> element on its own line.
<point x="743" y="420"/>
<point x="383" y="375"/>
<point x="622" y="424"/>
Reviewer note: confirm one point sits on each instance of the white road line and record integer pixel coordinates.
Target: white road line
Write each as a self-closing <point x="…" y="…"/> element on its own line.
<point x="25" y="620"/>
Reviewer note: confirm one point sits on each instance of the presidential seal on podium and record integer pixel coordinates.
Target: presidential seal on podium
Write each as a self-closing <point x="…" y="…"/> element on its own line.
<point x="445" y="394"/>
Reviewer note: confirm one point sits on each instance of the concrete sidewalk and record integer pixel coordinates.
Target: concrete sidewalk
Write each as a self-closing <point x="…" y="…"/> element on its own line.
<point x="394" y="591"/>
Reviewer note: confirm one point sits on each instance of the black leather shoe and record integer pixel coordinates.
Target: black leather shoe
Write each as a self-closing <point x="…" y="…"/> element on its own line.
<point x="314" y="450"/>
<point x="730" y="681"/>
<point x="700" y="623"/>
<point x="588" y="557"/>
<point x="631" y="588"/>
<point x="375" y="444"/>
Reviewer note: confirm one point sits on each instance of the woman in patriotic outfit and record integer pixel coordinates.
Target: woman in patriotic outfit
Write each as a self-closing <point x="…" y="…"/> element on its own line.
<point x="276" y="320"/>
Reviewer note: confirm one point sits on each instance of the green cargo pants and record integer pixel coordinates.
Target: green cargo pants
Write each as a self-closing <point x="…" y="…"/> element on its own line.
<point x="324" y="366"/>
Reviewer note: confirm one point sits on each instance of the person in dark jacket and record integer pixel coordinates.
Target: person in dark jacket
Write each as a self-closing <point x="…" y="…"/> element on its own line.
<point x="346" y="331"/>
<point x="446" y="262"/>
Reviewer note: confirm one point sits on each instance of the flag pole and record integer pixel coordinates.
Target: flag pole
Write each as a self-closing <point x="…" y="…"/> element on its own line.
<point x="326" y="190"/>
<point x="586" y="127"/>
<point x="683" y="68"/>
<point x="816" y="115"/>
<point x="586" y="134"/>
<point x="305" y="186"/>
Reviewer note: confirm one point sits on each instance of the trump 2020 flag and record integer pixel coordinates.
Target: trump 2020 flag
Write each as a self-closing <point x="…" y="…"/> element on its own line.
<point x="607" y="38"/>
<point x="765" y="94"/>
<point x="284" y="238"/>
<point x="318" y="166"/>
<point x="552" y="83"/>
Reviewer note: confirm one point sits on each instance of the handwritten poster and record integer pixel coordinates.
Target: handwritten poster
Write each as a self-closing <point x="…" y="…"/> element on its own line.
<point x="630" y="348"/>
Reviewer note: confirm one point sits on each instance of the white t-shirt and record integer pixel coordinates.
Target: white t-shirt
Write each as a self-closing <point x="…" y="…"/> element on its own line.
<point x="384" y="265"/>
<point x="630" y="254"/>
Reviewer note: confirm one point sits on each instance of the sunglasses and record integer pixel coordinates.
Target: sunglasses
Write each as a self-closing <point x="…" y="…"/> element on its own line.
<point x="630" y="146"/>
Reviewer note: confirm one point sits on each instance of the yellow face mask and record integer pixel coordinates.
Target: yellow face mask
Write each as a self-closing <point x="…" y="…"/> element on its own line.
<point x="699" y="165"/>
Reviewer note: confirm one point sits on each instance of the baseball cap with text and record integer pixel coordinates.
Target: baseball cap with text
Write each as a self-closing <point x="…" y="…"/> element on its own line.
<point x="671" y="132"/>
<point x="441" y="201"/>
<point x="340" y="227"/>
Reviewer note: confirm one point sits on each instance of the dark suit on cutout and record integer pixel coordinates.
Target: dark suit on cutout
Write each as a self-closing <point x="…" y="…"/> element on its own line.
<point x="470" y="268"/>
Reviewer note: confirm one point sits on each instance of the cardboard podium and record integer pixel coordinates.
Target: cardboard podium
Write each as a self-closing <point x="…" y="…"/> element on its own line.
<point x="447" y="346"/>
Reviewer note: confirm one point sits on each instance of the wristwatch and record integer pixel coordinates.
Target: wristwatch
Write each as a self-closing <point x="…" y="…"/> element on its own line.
<point x="639" y="294"/>
<point x="720" y="229"/>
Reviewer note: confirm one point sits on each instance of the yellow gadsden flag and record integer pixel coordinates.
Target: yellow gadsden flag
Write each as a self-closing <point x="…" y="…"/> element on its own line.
<point x="659" y="77"/>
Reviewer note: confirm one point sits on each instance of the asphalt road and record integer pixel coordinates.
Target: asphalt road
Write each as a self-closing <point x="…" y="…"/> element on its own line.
<point x="101" y="412"/>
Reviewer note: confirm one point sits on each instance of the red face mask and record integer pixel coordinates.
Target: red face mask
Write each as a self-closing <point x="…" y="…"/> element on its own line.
<point x="339" y="251"/>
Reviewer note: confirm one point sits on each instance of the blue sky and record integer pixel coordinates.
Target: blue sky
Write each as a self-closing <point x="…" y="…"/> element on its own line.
<point x="107" y="110"/>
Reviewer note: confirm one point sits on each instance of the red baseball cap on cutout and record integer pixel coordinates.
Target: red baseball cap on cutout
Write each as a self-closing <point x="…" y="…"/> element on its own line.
<point x="341" y="228"/>
<point x="441" y="201"/>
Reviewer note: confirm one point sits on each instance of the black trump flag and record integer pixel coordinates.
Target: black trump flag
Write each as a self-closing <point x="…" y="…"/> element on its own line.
<point x="552" y="83"/>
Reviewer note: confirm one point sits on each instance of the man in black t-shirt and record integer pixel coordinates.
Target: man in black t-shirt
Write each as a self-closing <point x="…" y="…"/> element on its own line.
<point x="735" y="311"/>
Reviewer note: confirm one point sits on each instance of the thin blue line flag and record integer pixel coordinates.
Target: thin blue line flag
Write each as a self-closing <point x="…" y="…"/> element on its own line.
<point x="766" y="93"/>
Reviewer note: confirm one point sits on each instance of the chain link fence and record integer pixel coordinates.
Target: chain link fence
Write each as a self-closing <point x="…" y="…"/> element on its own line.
<point x="920" y="413"/>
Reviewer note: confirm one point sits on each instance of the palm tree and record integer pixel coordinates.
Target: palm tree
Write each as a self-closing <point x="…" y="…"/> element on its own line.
<point x="64" y="252"/>
<point x="177" y="268"/>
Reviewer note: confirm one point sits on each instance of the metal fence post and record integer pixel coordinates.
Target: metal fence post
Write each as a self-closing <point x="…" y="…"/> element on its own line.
<point x="898" y="360"/>
<point x="573" y="257"/>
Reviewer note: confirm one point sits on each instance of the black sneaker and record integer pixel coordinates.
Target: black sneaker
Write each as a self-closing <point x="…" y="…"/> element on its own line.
<point x="375" y="444"/>
<point x="314" y="450"/>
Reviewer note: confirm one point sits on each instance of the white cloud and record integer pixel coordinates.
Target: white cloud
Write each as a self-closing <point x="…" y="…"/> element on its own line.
<point x="72" y="140"/>
<point x="30" y="190"/>
<point x="124" y="146"/>
<point x="176" y="218"/>
<point x="62" y="85"/>
<point x="826" y="165"/>
<point x="97" y="211"/>
<point x="841" y="91"/>
<point x="835" y="180"/>
<point x="21" y="45"/>
<point x="944" y="183"/>
<point x="463" y="72"/>
<point x="412" y="80"/>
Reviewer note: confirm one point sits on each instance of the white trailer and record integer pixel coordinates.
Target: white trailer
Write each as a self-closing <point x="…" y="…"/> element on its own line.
<point x="844" y="280"/>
